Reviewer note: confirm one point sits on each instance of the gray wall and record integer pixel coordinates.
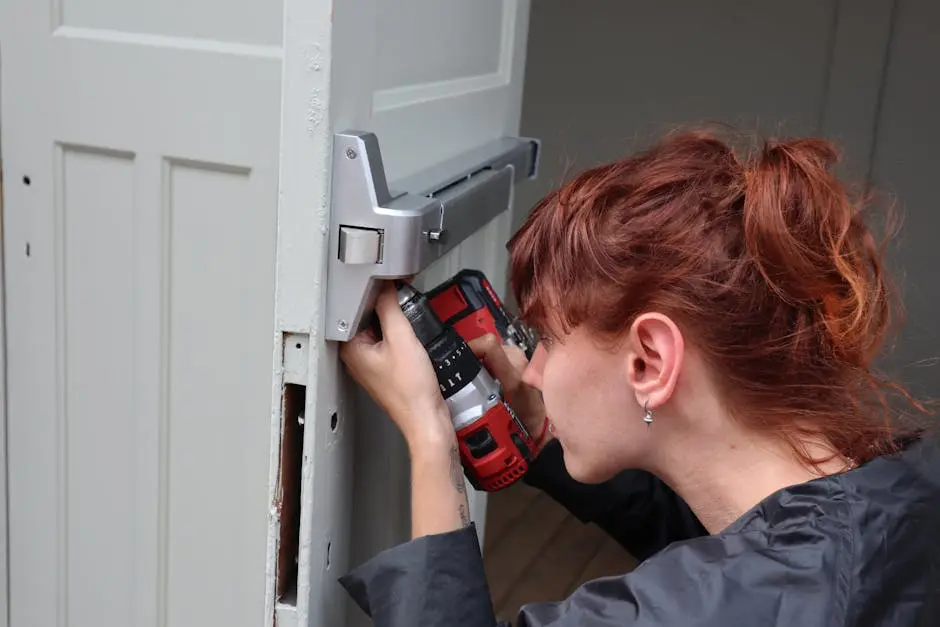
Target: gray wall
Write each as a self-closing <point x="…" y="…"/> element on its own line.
<point x="601" y="83"/>
<point x="905" y="161"/>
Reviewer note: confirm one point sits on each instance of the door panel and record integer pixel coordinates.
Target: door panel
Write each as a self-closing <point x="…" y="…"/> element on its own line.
<point x="418" y="124"/>
<point x="140" y="152"/>
<point x="465" y="38"/>
<point x="403" y="71"/>
<point x="452" y="96"/>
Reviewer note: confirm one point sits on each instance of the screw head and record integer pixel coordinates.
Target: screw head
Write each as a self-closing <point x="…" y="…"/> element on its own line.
<point x="351" y="153"/>
<point x="342" y="325"/>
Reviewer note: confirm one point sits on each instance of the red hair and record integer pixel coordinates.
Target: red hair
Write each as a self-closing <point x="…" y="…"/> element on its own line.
<point x="765" y="263"/>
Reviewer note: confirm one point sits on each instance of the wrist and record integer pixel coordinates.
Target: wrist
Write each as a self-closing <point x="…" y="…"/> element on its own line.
<point x="433" y="432"/>
<point x="438" y="494"/>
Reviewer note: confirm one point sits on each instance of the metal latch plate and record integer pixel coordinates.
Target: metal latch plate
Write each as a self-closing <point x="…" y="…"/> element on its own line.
<point x="377" y="233"/>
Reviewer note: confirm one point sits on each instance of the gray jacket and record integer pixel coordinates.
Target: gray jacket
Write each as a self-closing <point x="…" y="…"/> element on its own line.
<point x="858" y="549"/>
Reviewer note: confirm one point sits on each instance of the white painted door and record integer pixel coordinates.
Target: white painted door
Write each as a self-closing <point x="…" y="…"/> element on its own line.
<point x="140" y="147"/>
<point x="432" y="78"/>
<point x="164" y="165"/>
<point x="444" y="83"/>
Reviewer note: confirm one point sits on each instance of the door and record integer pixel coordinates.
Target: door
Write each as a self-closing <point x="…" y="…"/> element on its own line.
<point x="431" y="79"/>
<point x="140" y="145"/>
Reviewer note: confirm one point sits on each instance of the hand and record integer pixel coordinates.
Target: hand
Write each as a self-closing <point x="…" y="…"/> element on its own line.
<point x="507" y="363"/>
<point x="398" y="375"/>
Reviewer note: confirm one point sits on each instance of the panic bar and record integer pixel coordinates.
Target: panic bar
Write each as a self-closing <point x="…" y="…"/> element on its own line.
<point x="377" y="233"/>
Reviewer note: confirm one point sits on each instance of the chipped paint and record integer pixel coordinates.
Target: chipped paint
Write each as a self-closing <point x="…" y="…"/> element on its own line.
<point x="315" y="111"/>
<point x="313" y="57"/>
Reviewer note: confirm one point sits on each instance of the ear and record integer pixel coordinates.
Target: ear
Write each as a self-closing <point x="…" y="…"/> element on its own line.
<point x="655" y="358"/>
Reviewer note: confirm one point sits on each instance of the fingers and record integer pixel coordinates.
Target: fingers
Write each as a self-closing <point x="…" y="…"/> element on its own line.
<point x="391" y="318"/>
<point x="359" y="347"/>
<point x="353" y="351"/>
<point x="490" y="351"/>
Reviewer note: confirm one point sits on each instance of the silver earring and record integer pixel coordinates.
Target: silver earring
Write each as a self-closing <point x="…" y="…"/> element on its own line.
<point x="648" y="417"/>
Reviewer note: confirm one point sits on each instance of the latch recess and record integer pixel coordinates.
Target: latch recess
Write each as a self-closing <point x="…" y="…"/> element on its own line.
<point x="381" y="231"/>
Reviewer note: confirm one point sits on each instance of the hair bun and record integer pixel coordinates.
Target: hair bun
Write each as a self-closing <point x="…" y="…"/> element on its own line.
<point x="811" y="245"/>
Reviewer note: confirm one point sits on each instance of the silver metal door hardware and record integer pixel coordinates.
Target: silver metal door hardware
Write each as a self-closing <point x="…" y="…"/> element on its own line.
<point x="388" y="231"/>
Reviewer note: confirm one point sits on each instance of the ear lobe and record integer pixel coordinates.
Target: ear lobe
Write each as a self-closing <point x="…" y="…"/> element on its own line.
<point x="656" y="359"/>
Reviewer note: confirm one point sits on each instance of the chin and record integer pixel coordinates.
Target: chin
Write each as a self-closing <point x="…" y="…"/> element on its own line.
<point x="584" y="470"/>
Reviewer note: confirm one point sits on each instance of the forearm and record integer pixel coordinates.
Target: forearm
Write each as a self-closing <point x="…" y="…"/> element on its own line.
<point x="438" y="493"/>
<point x="436" y="579"/>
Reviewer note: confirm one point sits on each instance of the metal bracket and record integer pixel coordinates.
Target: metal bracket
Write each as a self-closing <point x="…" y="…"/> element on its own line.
<point x="377" y="233"/>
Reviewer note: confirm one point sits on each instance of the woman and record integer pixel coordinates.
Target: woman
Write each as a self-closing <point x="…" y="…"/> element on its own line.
<point x="710" y="320"/>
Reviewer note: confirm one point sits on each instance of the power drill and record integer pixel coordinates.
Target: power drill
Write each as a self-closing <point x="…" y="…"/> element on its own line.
<point x="495" y="447"/>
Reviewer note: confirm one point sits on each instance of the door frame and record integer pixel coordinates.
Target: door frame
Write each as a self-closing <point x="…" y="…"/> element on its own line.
<point x="4" y="535"/>
<point x="315" y="34"/>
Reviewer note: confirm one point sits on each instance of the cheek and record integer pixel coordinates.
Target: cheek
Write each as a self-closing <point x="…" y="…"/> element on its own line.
<point x="572" y="389"/>
<point x="554" y="383"/>
<point x="585" y="397"/>
<point x="584" y="402"/>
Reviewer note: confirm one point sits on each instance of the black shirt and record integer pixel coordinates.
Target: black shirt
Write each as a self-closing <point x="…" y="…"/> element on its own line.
<point x="635" y="508"/>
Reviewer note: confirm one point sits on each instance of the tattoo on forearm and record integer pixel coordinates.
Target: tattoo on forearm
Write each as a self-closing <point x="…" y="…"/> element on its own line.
<point x="456" y="475"/>
<point x="456" y="470"/>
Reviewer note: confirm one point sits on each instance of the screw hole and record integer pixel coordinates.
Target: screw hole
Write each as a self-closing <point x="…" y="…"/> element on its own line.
<point x="329" y="546"/>
<point x="27" y="249"/>
<point x="334" y="419"/>
<point x="26" y="180"/>
<point x="297" y="346"/>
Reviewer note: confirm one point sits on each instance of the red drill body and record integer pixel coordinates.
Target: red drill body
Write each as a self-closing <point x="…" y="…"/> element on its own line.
<point x="469" y="303"/>
<point x="495" y="448"/>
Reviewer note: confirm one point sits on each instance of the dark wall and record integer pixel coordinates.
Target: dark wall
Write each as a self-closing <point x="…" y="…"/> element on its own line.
<point x="602" y="82"/>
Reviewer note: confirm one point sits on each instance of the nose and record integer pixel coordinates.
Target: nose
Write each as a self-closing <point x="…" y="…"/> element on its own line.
<point x="532" y="375"/>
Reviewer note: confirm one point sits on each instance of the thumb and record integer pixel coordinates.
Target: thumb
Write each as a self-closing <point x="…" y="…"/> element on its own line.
<point x="516" y="357"/>
<point x="489" y="350"/>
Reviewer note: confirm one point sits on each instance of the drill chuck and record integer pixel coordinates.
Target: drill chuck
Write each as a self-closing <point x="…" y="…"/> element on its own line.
<point x="427" y="326"/>
<point x="455" y="364"/>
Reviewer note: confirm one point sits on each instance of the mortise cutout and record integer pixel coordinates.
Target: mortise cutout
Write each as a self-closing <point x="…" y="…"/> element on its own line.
<point x="292" y="442"/>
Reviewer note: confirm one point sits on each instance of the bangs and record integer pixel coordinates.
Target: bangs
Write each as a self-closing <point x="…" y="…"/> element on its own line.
<point x="543" y="266"/>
